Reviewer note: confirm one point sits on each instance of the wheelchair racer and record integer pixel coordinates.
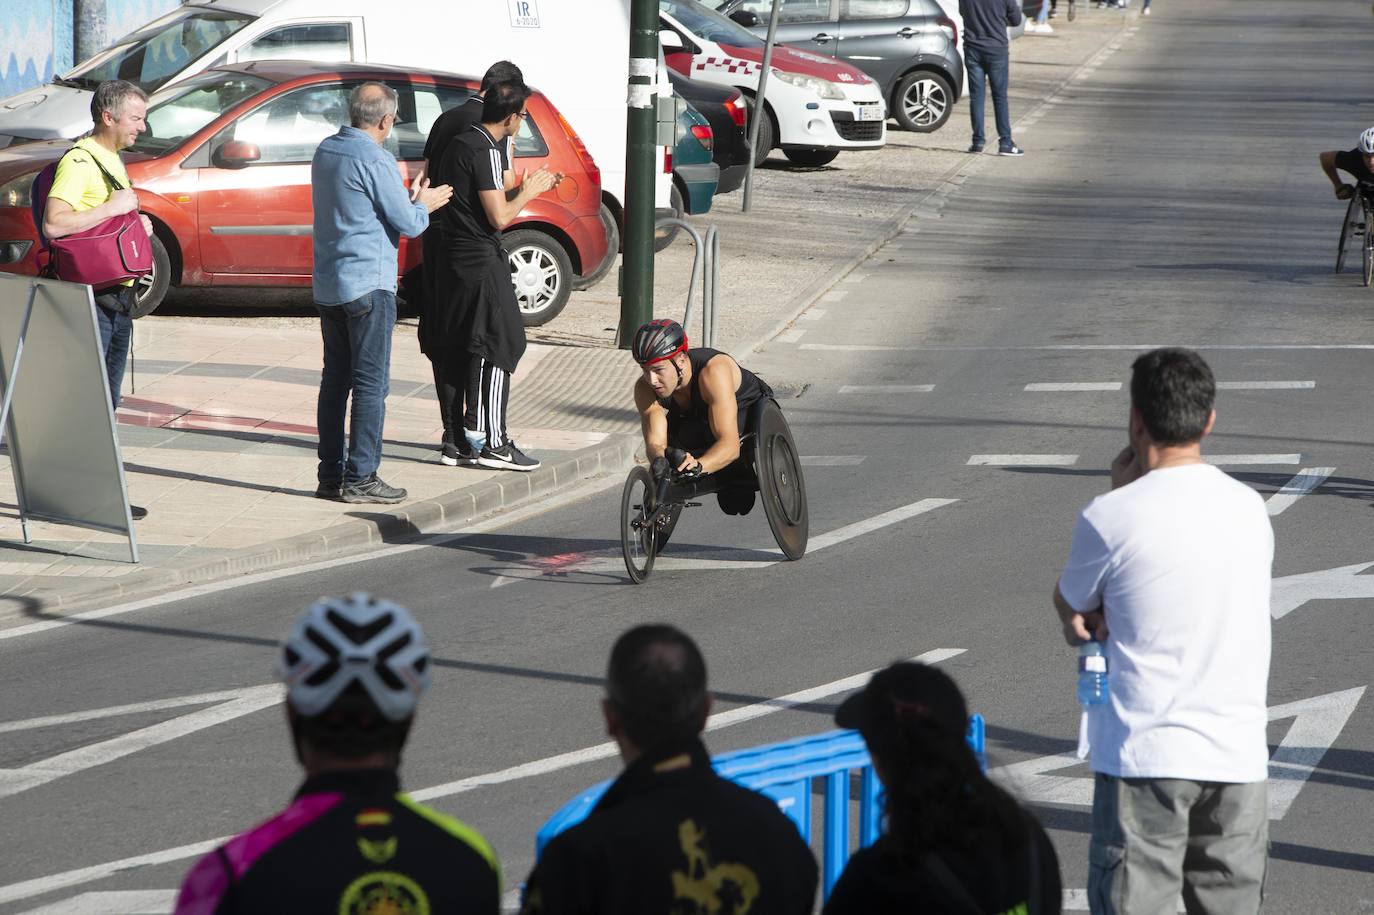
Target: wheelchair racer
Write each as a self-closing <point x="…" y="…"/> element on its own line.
<point x="1357" y="162"/>
<point x="698" y="401"/>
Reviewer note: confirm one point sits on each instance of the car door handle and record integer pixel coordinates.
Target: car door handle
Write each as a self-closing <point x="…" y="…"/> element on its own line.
<point x="822" y="38"/>
<point x="908" y="32"/>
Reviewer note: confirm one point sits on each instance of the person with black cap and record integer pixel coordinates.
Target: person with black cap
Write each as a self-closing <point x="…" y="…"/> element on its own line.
<point x="954" y="842"/>
<point x="670" y="835"/>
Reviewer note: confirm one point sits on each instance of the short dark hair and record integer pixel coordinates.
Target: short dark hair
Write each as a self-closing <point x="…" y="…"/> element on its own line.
<point x="1173" y="391"/>
<point x="110" y="96"/>
<point x="656" y="681"/>
<point x="503" y="71"/>
<point x="503" y="100"/>
<point x="352" y="727"/>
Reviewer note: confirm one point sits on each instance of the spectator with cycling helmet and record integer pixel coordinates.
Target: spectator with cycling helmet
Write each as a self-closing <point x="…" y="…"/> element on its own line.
<point x="955" y="842"/>
<point x="350" y="842"/>
<point x="696" y="401"/>
<point x="1357" y="162"/>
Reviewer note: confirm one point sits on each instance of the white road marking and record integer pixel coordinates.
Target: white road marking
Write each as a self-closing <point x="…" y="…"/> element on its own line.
<point x="792" y="335"/>
<point x="813" y="314"/>
<point x="1265" y="385"/>
<point x="1307" y="479"/>
<point x="247" y="701"/>
<point x="1074" y="347"/>
<point x="1226" y="460"/>
<point x="832" y="460"/>
<point x="1317" y="724"/>
<point x="53" y="882"/>
<point x="1342" y="583"/>
<point x="834" y="296"/>
<point x="1022" y="460"/>
<point x="886" y="388"/>
<point x="114" y="711"/>
<point x="421" y="543"/>
<point x="119" y="902"/>
<point x="1074" y="386"/>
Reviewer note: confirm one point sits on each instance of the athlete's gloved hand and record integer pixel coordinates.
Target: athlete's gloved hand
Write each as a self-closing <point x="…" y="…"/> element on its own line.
<point x="659" y="467"/>
<point x="1345" y="192"/>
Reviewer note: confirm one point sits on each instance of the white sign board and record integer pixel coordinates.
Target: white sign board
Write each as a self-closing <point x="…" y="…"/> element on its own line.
<point x="524" y="14"/>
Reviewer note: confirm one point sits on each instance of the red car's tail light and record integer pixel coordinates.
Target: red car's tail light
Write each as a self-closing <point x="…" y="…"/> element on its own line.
<point x="735" y="105"/>
<point x="948" y="25"/>
<point x="703" y="134"/>
<point x="583" y="155"/>
<point x="667" y="160"/>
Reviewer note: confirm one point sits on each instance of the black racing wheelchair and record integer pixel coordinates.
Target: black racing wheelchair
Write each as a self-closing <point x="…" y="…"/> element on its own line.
<point x="650" y="504"/>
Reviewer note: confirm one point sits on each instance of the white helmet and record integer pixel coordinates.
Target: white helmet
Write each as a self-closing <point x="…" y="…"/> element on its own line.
<point x="1367" y="142"/>
<point x="356" y="639"/>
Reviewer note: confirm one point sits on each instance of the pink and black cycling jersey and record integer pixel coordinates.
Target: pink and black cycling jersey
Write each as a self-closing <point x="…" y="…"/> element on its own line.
<point x="350" y="843"/>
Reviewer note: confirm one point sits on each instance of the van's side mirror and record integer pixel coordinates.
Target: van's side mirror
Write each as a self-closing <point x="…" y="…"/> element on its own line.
<point x="670" y="41"/>
<point x="237" y="154"/>
<point x="746" y="18"/>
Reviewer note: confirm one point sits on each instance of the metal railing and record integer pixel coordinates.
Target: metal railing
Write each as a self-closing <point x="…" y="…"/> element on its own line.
<point x="706" y="255"/>
<point x="785" y="772"/>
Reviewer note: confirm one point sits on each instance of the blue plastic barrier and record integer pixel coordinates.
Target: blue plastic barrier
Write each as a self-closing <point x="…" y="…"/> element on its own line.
<point x="784" y="772"/>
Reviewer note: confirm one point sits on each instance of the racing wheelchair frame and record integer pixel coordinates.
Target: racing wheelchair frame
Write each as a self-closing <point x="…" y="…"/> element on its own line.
<point x="768" y="464"/>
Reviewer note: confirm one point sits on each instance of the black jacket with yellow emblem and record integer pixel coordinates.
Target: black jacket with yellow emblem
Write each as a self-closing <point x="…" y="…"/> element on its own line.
<point x="670" y="836"/>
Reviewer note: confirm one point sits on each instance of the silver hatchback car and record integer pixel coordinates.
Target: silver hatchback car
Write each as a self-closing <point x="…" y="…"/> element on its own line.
<point x="910" y="47"/>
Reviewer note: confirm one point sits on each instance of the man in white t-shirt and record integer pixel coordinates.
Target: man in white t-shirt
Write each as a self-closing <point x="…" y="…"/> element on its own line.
<point x="1171" y="571"/>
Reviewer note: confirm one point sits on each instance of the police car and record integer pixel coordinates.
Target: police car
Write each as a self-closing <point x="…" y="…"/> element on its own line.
<point x="816" y="105"/>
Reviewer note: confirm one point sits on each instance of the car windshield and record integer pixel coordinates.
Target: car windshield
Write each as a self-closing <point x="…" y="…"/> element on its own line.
<point x="180" y="111"/>
<point x="708" y="25"/>
<point x="150" y="57"/>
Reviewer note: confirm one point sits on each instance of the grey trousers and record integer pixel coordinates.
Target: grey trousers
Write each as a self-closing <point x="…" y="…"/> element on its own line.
<point x="1155" y="839"/>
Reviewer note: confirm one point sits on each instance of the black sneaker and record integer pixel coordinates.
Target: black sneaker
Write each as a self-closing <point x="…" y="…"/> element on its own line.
<point x="507" y="457"/>
<point x="328" y="490"/>
<point x="452" y="455"/>
<point x="372" y="489"/>
<point x="975" y="148"/>
<point x="1013" y="150"/>
<point x="137" y="512"/>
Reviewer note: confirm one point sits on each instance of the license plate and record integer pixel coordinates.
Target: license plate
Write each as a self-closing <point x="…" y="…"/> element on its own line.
<point x="870" y="113"/>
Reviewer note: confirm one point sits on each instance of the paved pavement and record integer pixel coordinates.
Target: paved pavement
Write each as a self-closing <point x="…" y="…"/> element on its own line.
<point x="217" y="425"/>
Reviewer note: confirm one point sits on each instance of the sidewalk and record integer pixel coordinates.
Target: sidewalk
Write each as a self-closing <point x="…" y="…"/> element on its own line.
<point x="218" y="431"/>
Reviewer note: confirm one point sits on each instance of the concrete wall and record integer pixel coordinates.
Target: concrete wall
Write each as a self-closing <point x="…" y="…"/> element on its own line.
<point x="37" y="39"/>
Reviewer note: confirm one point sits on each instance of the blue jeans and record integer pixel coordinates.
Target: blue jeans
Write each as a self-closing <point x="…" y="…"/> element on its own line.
<point x="357" y="360"/>
<point x="991" y="66"/>
<point x="1044" y="14"/>
<point x="116" y="330"/>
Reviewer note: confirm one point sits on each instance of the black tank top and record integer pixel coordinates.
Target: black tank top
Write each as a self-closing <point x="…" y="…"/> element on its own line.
<point x="751" y="389"/>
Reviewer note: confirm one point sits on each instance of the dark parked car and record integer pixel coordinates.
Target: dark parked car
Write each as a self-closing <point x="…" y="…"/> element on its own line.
<point x="910" y="47"/>
<point x="725" y="110"/>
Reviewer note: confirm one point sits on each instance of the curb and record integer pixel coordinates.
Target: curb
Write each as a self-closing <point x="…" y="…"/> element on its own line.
<point x="454" y="509"/>
<point x="946" y="184"/>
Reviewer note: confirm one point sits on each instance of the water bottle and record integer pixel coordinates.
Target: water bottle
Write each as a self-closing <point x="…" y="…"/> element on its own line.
<point x="1093" y="688"/>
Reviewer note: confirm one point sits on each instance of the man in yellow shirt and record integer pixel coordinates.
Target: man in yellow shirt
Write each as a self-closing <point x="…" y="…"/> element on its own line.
<point x="82" y="198"/>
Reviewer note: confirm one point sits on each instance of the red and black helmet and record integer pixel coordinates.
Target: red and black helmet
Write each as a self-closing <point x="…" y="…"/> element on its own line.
<point x="658" y="340"/>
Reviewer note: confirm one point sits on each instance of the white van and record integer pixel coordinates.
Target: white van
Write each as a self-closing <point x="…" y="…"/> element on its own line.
<point x="574" y="51"/>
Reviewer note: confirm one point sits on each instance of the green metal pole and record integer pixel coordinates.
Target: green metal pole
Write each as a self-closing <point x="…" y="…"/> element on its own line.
<point x="641" y="134"/>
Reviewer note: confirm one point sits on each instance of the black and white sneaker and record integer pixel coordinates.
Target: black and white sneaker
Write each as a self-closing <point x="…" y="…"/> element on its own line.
<point x="452" y="455"/>
<point x="507" y="457"/>
<point x="372" y="489"/>
<point x="1014" y="151"/>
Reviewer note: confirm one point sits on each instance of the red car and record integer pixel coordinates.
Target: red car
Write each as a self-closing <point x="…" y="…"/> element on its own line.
<point x="224" y="173"/>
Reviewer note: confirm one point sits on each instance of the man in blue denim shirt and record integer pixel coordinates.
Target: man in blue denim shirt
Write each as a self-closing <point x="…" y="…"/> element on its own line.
<point x="361" y="210"/>
<point x="986" y="55"/>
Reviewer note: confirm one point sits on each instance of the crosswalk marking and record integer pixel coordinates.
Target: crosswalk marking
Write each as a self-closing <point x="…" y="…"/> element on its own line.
<point x="1307" y="479"/>
<point x="1023" y="460"/>
<point x="1266" y="385"/>
<point x="1074" y="386"/>
<point x="886" y="388"/>
<point x="1069" y="386"/>
<point x="832" y="460"/>
<point x="1225" y="460"/>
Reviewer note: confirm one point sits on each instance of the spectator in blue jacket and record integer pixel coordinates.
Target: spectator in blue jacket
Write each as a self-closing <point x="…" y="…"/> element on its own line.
<point x="988" y="60"/>
<point x="362" y="209"/>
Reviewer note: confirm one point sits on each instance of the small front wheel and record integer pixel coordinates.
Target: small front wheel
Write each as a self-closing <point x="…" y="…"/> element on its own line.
<point x="637" y="537"/>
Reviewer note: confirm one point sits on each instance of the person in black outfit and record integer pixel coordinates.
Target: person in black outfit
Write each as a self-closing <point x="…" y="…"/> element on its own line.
<point x="955" y="843"/>
<point x="696" y="400"/>
<point x="449" y="357"/>
<point x="670" y="836"/>
<point x="350" y="842"/>
<point x="476" y="307"/>
<point x="1357" y="162"/>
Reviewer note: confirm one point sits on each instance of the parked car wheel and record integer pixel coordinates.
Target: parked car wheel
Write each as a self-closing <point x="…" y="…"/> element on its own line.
<point x="811" y="157"/>
<point x="150" y="290"/>
<point x="541" y="272"/>
<point x="665" y="237"/>
<point x="612" y="228"/>
<point x="923" y="101"/>
<point x="767" y="136"/>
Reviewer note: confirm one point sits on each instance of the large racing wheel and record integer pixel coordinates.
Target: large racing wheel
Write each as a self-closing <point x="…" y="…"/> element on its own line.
<point x="637" y="539"/>
<point x="778" y="468"/>
<point x="1349" y="227"/>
